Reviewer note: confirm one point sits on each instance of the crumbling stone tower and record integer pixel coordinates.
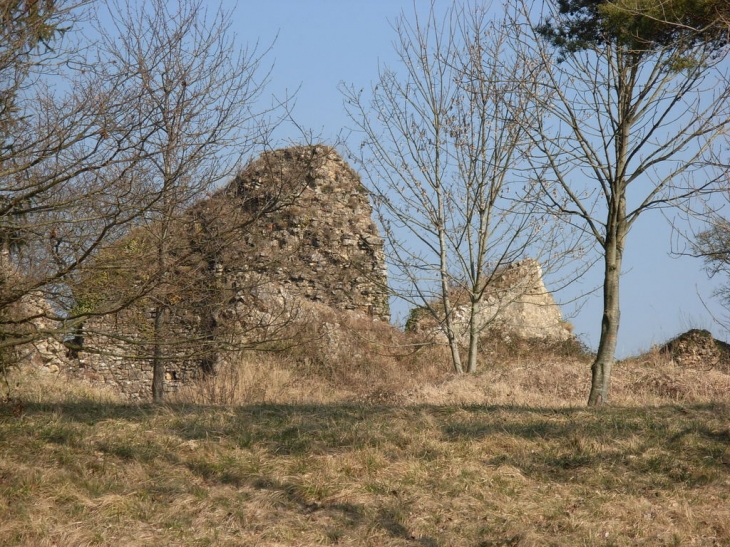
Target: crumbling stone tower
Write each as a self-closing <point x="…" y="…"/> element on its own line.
<point x="323" y="245"/>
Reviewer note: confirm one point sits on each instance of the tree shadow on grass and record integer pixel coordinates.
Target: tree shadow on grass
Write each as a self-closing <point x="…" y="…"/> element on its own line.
<point x="621" y="450"/>
<point x="629" y="448"/>
<point x="350" y="517"/>
<point x="671" y="444"/>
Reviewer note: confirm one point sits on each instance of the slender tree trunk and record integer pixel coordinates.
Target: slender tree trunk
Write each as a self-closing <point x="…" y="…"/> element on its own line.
<point x="210" y="356"/>
<point x="615" y="239"/>
<point x="449" y="323"/>
<point x="158" y="363"/>
<point x="473" y="337"/>
<point x="453" y="344"/>
<point x="443" y="258"/>
<point x="209" y="323"/>
<point x="601" y="369"/>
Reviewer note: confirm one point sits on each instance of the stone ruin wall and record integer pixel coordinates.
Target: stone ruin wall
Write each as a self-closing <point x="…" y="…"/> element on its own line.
<point x="522" y="306"/>
<point x="516" y="303"/>
<point x="113" y="369"/>
<point x="128" y="376"/>
<point x="324" y="247"/>
<point x="131" y="378"/>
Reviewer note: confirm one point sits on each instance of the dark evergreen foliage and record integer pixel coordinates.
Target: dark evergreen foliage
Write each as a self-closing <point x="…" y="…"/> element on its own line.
<point x="640" y="26"/>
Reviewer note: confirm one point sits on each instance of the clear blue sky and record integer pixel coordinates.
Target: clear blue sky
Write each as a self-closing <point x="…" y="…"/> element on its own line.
<point x="324" y="42"/>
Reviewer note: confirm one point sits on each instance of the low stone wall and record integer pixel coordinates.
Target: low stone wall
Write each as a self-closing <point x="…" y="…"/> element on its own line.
<point x="117" y="369"/>
<point x="131" y="378"/>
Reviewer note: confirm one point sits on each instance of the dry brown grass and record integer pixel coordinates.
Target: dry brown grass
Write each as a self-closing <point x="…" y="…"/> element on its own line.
<point x="374" y="450"/>
<point x="332" y="357"/>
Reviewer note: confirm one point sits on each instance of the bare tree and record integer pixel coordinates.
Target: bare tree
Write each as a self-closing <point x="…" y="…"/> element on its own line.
<point x="635" y="116"/>
<point x="444" y="147"/>
<point x="192" y="93"/>
<point x="712" y="244"/>
<point x="65" y="160"/>
<point x="26" y="28"/>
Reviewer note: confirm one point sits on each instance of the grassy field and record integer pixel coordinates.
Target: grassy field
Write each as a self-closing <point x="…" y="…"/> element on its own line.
<point x="510" y="457"/>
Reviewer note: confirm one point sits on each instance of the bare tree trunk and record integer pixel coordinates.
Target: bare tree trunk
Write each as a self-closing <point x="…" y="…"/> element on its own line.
<point x="445" y="294"/>
<point x="158" y="363"/>
<point x="616" y="227"/>
<point x="449" y="325"/>
<point x="208" y="321"/>
<point x="602" y="365"/>
<point x="473" y="337"/>
<point x="451" y="335"/>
